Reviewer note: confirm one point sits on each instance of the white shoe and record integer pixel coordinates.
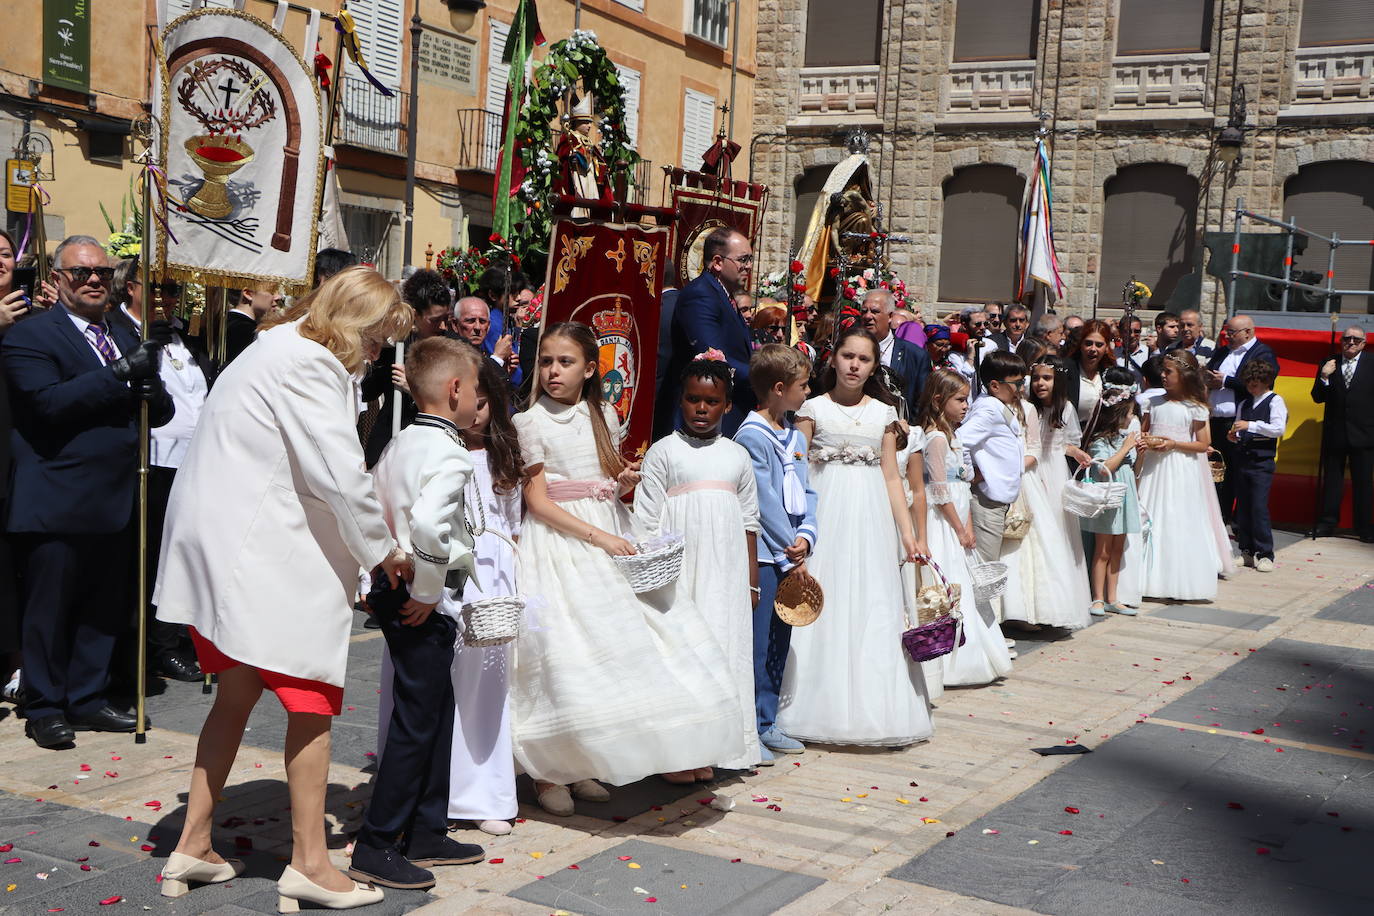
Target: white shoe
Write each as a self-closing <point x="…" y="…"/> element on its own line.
<point x="495" y="828"/>
<point x="557" y="801"/>
<point x="293" y="887"/>
<point x="590" y="790"/>
<point x="1264" y="564"/>
<point x="1011" y="643"/>
<point x="182" y="869"/>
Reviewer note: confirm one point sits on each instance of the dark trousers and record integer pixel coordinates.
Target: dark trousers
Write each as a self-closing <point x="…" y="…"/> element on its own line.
<point x="163" y="637"/>
<point x="772" y="639"/>
<point x="1361" y="461"/>
<point x="1226" y="491"/>
<point x="1254" y="476"/>
<point x="73" y="613"/>
<point x="410" y="790"/>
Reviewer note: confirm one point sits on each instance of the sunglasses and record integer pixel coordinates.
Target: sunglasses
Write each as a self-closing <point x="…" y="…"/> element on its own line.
<point x="1352" y="340"/>
<point x="82" y="274"/>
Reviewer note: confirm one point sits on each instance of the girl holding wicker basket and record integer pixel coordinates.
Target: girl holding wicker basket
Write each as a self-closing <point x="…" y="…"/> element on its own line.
<point x="609" y="687"/>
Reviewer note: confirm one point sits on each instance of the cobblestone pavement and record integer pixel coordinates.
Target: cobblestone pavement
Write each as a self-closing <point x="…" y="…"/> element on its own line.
<point x="1229" y="773"/>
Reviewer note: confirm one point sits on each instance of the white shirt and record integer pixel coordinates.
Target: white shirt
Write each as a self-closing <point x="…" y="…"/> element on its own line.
<point x="1224" y="399"/>
<point x="1278" y="418"/>
<point x="885" y="348"/>
<point x="185" y="383"/>
<point x="992" y="436"/>
<point x="82" y="328"/>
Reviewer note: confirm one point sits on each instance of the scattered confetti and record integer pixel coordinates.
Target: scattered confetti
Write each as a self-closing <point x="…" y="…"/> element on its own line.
<point x="625" y="858"/>
<point x="1032" y="842"/>
<point x="111" y="901"/>
<point x="651" y="900"/>
<point x="41" y="876"/>
<point x="633" y="865"/>
<point x="988" y="832"/>
<point x="15" y="861"/>
<point x="495" y="861"/>
<point x="930" y="820"/>
<point x="574" y="867"/>
<point x="6" y="847"/>
<point x="85" y="767"/>
<point x="1070" y="810"/>
<point x="903" y="801"/>
<point x="112" y="774"/>
<point x="1066" y="833"/>
<point x="536" y="855"/>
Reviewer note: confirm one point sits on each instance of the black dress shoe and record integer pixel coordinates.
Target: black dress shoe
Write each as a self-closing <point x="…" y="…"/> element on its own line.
<point x="431" y="850"/>
<point x="50" y="731"/>
<point x="178" y="667"/>
<point x="387" y="867"/>
<point x="107" y="719"/>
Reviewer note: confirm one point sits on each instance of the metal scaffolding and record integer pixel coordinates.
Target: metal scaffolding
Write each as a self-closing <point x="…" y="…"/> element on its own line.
<point x="1334" y="241"/>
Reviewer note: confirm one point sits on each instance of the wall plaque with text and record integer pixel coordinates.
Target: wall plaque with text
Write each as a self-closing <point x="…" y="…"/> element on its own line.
<point x="448" y="61"/>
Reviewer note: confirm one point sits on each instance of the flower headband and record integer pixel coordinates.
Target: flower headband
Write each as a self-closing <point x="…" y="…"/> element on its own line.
<point x="712" y="355"/>
<point x="1059" y="370"/>
<point x="1115" y="394"/>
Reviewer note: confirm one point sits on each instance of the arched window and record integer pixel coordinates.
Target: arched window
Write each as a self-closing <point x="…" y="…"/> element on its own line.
<point x="978" y="237"/>
<point x="1149" y="232"/>
<point x="807" y="190"/>
<point x="1336" y="197"/>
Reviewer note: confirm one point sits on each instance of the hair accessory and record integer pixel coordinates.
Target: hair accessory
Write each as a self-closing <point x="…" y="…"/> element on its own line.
<point x="1115" y="394"/>
<point x="1060" y="370"/>
<point x="712" y="355"/>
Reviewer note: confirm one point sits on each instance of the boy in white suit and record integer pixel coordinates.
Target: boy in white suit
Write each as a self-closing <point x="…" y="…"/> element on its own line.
<point x="419" y="481"/>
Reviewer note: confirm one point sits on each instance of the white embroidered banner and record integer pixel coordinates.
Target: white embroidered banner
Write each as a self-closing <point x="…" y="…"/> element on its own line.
<point x="241" y="142"/>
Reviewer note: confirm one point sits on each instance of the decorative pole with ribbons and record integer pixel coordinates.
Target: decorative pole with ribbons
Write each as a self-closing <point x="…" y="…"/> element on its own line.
<point x="524" y="35"/>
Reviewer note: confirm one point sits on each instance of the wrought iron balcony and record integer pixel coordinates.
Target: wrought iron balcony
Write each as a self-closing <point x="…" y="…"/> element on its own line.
<point x="371" y="120"/>
<point x="479" y="140"/>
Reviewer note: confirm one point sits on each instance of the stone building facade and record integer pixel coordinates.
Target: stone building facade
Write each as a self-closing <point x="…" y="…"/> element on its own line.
<point x="1133" y="96"/>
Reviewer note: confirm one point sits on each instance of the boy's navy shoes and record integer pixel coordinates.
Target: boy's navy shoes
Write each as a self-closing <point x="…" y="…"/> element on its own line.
<point x="387" y="867"/>
<point x="429" y="850"/>
<point x="775" y="740"/>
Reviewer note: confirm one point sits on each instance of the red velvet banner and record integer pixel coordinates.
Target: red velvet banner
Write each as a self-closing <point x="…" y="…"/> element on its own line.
<point x="700" y="212"/>
<point x="610" y="278"/>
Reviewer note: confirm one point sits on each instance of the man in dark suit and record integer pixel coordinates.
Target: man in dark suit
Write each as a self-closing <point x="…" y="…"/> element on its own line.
<point x="1345" y="384"/>
<point x="241" y="322"/>
<point x="1226" y="391"/>
<point x="664" y="414"/>
<point x="907" y="363"/>
<point x="1017" y="321"/>
<point x="705" y="318"/>
<point x="75" y="388"/>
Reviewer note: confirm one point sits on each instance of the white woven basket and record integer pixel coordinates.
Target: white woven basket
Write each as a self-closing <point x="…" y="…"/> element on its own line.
<point x="989" y="578"/>
<point x="498" y="620"/>
<point x="648" y="570"/>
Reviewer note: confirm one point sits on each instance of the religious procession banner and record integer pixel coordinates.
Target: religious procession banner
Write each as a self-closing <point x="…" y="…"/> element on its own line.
<point x="240" y="138"/>
<point x="704" y="203"/>
<point x="610" y="278"/>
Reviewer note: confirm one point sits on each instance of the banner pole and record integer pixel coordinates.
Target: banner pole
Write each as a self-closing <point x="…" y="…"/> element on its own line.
<point x="144" y="447"/>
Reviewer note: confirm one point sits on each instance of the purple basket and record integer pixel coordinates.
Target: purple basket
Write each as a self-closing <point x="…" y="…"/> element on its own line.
<point x="933" y="640"/>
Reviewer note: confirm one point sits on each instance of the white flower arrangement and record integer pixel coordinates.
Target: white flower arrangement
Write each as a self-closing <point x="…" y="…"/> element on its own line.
<point x="849" y="454"/>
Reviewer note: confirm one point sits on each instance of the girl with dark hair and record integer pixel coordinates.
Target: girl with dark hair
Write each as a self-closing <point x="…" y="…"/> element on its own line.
<point x="573" y="719"/>
<point x="847" y="680"/>
<point x="481" y="771"/>
<point x="1185" y="556"/>
<point x="700" y="484"/>
<point x="1111" y="440"/>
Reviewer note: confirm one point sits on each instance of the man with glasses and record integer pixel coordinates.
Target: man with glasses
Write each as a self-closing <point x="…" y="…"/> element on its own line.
<point x="76" y="384"/>
<point x="1226" y="390"/>
<point x="974" y="323"/>
<point x="994" y="312"/>
<point x="1018" y="324"/>
<point x="706" y="318"/>
<point x="1345" y="384"/>
<point x="904" y="364"/>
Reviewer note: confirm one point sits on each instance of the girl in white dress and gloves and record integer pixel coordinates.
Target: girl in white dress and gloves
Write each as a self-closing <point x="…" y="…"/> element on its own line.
<point x="1188" y="543"/>
<point x="848" y="679"/>
<point x="270" y="518"/>
<point x="984" y="657"/>
<point x="610" y="687"/>
<point x="699" y="484"/>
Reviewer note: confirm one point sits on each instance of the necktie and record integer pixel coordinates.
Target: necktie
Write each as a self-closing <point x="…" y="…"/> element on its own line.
<point x="1348" y="371"/>
<point x="102" y="342"/>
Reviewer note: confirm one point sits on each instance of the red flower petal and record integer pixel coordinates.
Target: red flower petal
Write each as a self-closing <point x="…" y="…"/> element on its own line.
<point x="92" y="843"/>
<point x="651" y="900"/>
<point x="1066" y="833"/>
<point x="1235" y="806"/>
<point x="495" y="861"/>
<point x="797" y="267"/>
<point x="85" y="868"/>
<point x="574" y="867"/>
<point x="116" y="757"/>
<point x="6" y="847"/>
<point x="625" y="858"/>
<point x="112" y="774"/>
<point x="1071" y="810"/>
<point x="734" y="860"/>
<point x="152" y="804"/>
<point x="15" y="861"/>
<point x="147" y="847"/>
<point x="922" y="798"/>
<point x="1256" y="731"/>
<point x="110" y="901"/>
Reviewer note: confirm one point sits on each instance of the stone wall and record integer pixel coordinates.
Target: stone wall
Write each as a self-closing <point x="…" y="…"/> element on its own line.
<point x="1097" y="128"/>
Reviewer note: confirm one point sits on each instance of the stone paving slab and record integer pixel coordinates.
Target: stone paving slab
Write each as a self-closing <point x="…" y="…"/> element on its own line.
<point x="676" y="881"/>
<point x="1354" y="607"/>
<point x="1215" y="616"/>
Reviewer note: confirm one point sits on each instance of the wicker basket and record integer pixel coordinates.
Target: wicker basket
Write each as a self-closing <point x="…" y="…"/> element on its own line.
<point x="495" y="621"/>
<point x="989" y="578"/>
<point x="1218" y="467"/>
<point x="940" y="626"/>
<point x="649" y="569"/>
<point x="799" y="600"/>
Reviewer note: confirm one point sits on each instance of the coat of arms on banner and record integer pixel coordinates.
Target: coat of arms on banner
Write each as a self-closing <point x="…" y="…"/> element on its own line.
<point x="610" y="278"/>
<point x="241" y="141"/>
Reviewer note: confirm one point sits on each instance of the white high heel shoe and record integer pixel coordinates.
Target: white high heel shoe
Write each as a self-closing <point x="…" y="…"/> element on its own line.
<point x="182" y="869"/>
<point x="294" y="887"/>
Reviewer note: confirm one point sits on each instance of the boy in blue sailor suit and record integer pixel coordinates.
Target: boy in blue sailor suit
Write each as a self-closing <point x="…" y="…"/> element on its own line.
<point x="420" y="480"/>
<point x="787" y="519"/>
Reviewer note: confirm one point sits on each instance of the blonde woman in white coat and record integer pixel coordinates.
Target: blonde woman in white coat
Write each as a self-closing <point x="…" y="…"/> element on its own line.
<point x="270" y="518"/>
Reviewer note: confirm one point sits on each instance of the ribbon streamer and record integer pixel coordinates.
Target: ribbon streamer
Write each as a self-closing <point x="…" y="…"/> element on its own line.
<point x="348" y="31"/>
<point x="45" y="198"/>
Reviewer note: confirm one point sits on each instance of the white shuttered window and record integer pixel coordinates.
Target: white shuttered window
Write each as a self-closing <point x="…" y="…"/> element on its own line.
<point x="629" y="82"/>
<point x="698" y="126"/>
